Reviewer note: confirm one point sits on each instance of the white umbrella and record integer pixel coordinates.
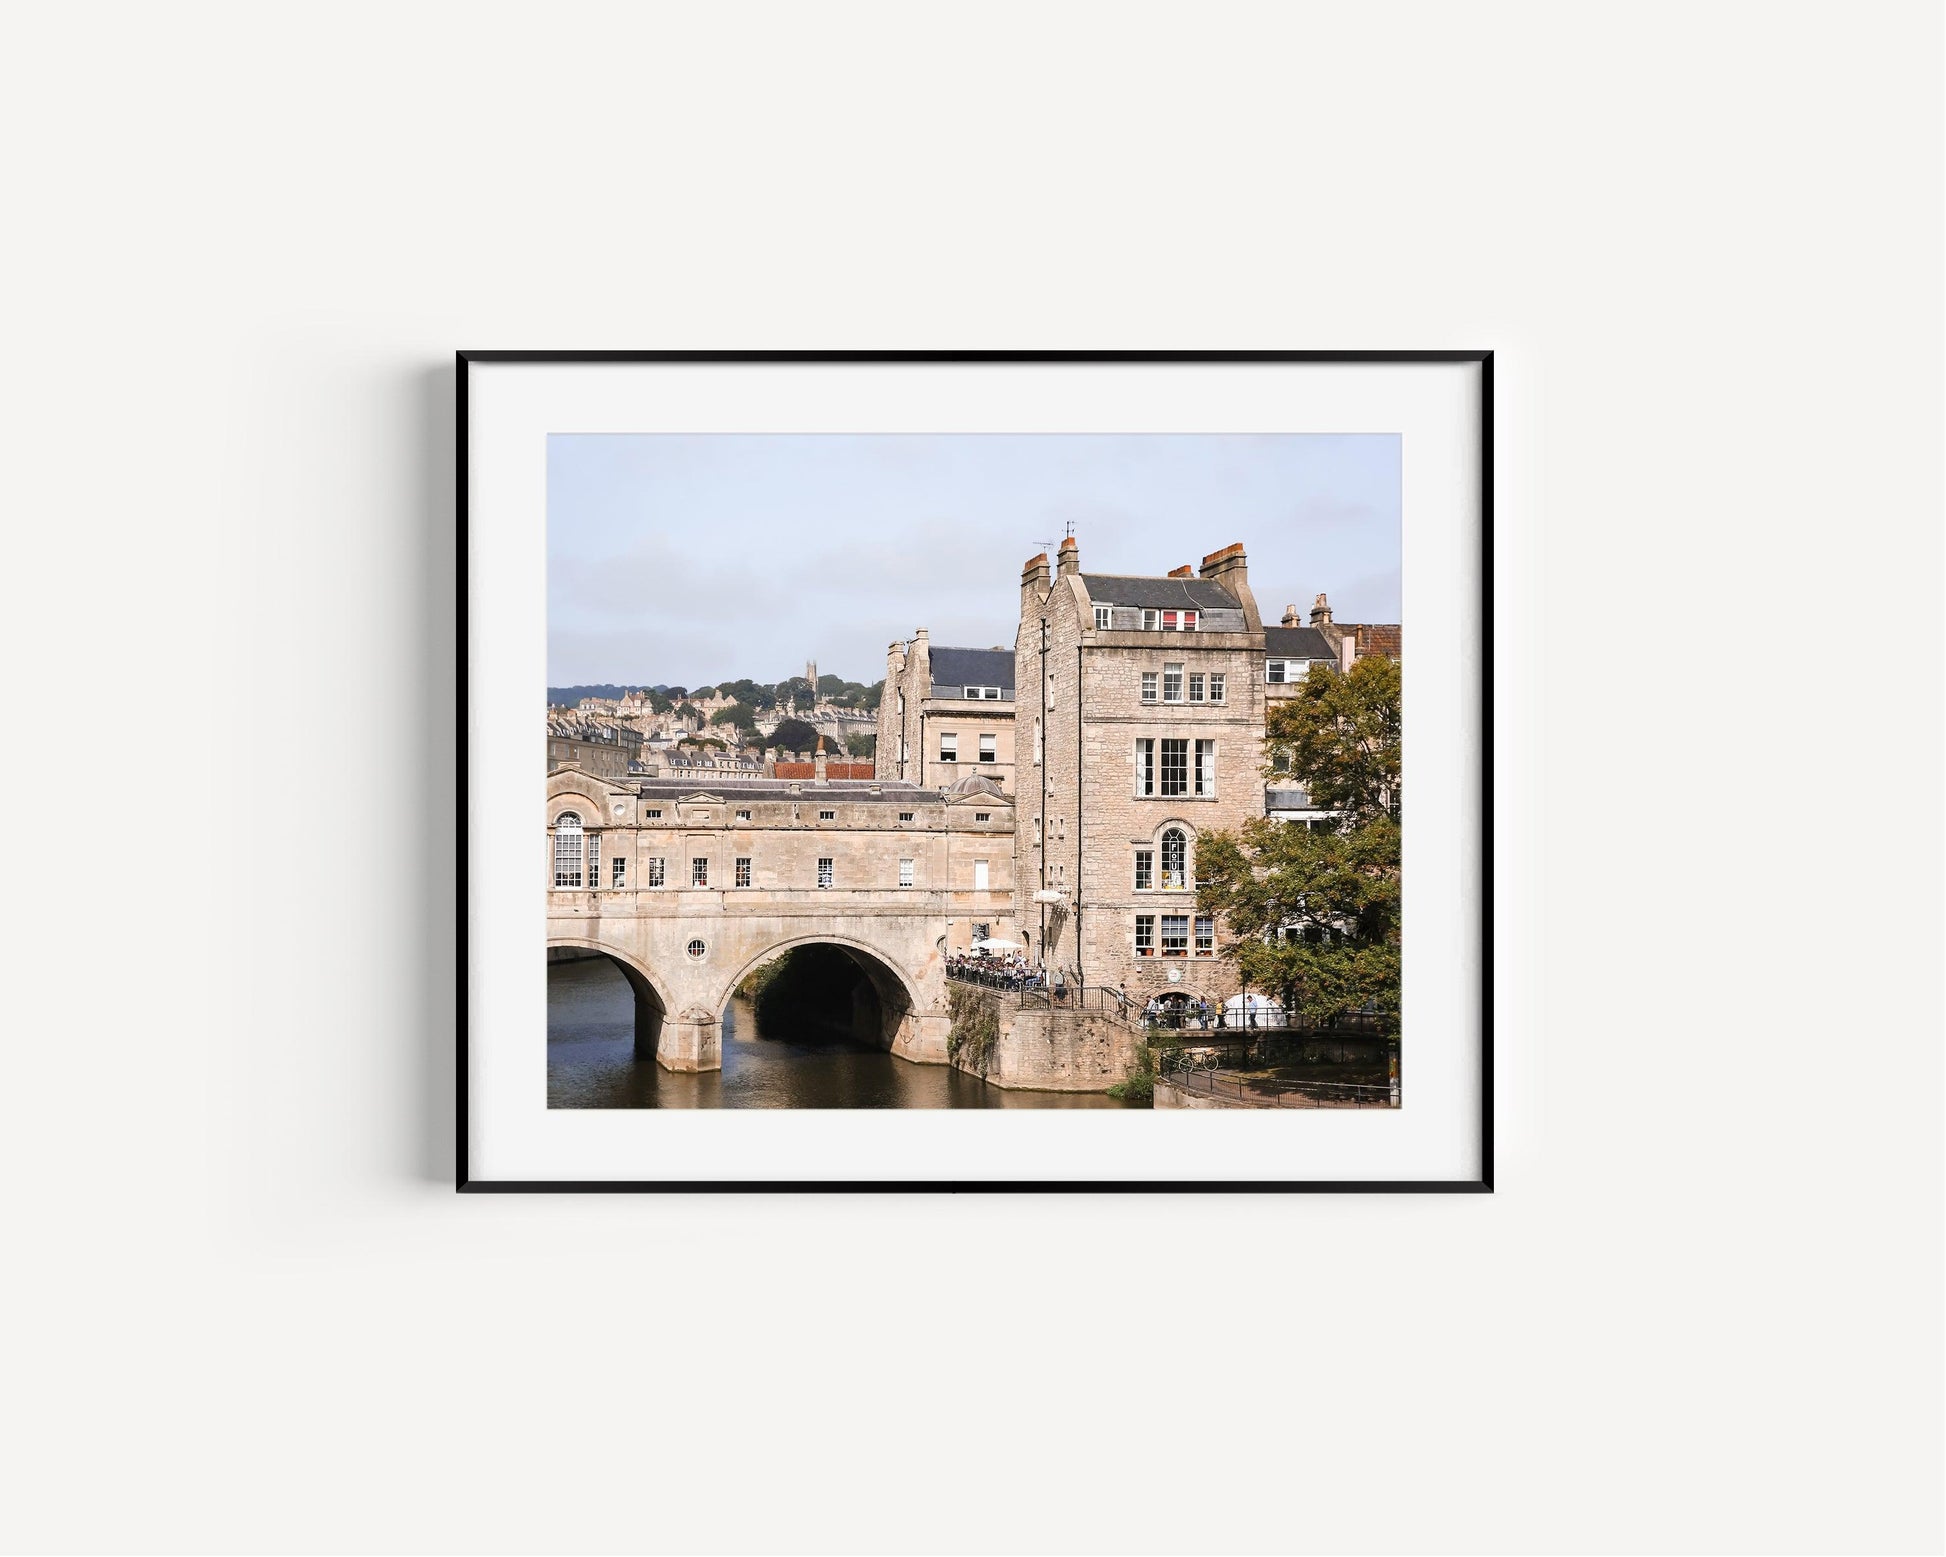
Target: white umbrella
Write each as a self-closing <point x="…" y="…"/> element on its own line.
<point x="998" y="946"/>
<point x="1265" y="1009"/>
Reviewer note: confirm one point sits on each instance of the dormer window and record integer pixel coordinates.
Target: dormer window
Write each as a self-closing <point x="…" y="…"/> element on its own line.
<point x="983" y="694"/>
<point x="1170" y="621"/>
<point x="1104" y="616"/>
<point x="1279" y="672"/>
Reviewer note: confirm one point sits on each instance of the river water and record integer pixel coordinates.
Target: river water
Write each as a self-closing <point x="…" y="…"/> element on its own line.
<point x="591" y="1062"/>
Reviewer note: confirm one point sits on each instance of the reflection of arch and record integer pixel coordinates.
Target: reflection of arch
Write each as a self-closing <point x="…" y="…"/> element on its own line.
<point x="652" y="1002"/>
<point x="898" y="995"/>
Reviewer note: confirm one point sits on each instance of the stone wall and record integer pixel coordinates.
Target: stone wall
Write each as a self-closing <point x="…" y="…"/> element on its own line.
<point x="1046" y="1050"/>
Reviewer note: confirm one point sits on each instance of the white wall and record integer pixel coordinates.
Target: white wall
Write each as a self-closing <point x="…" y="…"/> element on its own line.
<point x="243" y="1308"/>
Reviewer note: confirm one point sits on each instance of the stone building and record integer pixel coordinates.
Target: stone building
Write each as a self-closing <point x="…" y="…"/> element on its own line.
<point x="600" y="748"/>
<point x="1148" y="696"/>
<point x="946" y="714"/>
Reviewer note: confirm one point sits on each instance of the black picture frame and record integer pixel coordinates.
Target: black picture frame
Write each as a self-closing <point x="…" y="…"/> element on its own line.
<point x="466" y="1183"/>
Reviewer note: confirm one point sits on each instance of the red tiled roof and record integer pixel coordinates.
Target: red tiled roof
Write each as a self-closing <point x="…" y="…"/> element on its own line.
<point x="1376" y="637"/>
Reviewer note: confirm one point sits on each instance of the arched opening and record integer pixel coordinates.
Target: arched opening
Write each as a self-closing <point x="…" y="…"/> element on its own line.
<point x="819" y="994"/>
<point x="604" y="1018"/>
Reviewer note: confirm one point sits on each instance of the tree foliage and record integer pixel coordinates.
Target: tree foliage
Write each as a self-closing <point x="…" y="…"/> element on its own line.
<point x="862" y="745"/>
<point x="1315" y="914"/>
<point x="793" y="735"/>
<point x="796" y="693"/>
<point x="738" y="714"/>
<point x="1340" y="737"/>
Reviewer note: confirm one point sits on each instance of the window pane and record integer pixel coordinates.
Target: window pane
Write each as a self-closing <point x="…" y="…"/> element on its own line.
<point x="699" y="873"/>
<point x="1145" y="935"/>
<point x="824" y="872"/>
<point x="1206" y="767"/>
<point x="1145" y="767"/>
<point x="1196" y="686"/>
<point x="1102" y="617"/>
<point x="905" y="873"/>
<point x="1273" y="671"/>
<point x="989" y="748"/>
<point x="656" y="868"/>
<point x="1216" y="688"/>
<point x="1149" y="680"/>
<point x="1175" y="767"/>
<point x="1175" y="855"/>
<point x="619" y="876"/>
<point x="567" y="850"/>
<point x="743" y="870"/>
<point x="1205" y="935"/>
<point x="1175" y="935"/>
<point x="1172" y="683"/>
<point x="1144" y="869"/>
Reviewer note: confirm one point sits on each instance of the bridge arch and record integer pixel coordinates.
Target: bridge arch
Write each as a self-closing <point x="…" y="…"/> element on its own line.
<point x="653" y="1002"/>
<point x="899" y="998"/>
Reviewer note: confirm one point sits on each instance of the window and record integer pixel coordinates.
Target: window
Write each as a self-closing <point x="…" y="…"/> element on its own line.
<point x="1216" y="681"/>
<point x="618" y="874"/>
<point x="1151" y="621"/>
<point x="905" y="816"/>
<point x="1104" y="615"/>
<point x="982" y="816"/>
<point x="1279" y="671"/>
<point x="989" y="748"/>
<point x="1144" y="869"/>
<point x="948" y="747"/>
<point x="983" y="694"/>
<point x="1175" y="767"/>
<point x="827" y="816"/>
<point x="979" y="875"/>
<point x="1145" y="766"/>
<point x="657" y="869"/>
<point x="567" y="850"/>
<point x="1175" y="935"/>
<point x="743" y="870"/>
<point x="1172" y="683"/>
<point x="699" y="873"/>
<point x="1145" y="935"/>
<point x="1149" y="680"/>
<point x="1195" y="686"/>
<point x="1175" y="860"/>
<point x="1179" y="621"/>
<point x="1205" y="936"/>
<point x="905" y="873"/>
<point x="743" y="816"/>
<point x="654" y="815"/>
<point x="696" y="949"/>
<point x="1206" y="768"/>
<point x="824" y="872"/>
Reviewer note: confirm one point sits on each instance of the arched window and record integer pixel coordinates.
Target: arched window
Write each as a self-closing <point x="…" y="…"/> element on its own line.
<point x="1175" y="860"/>
<point x="568" y="850"/>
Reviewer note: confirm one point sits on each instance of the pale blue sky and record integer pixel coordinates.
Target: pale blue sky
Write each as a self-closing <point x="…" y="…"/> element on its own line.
<point x="694" y="559"/>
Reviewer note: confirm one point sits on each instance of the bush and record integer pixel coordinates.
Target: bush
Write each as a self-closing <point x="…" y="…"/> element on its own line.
<point x="975" y="1032"/>
<point x="1140" y="1086"/>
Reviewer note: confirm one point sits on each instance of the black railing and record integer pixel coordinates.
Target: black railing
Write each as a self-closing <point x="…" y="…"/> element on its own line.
<point x="1276" y="1093"/>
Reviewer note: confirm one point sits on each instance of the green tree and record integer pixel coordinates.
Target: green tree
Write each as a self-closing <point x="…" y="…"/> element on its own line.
<point x="738" y="714"/>
<point x="1315" y="913"/>
<point x="831" y="685"/>
<point x="657" y="701"/>
<point x="797" y="694"/>
<point x="793" y="735"/>
<point x="862" y="745"/>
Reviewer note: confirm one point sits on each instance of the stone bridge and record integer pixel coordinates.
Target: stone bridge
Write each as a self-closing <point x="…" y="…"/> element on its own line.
<point x="686" y="890"/>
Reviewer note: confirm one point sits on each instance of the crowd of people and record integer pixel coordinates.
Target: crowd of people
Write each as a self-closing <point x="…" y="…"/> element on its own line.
<point x="996" y="970"/>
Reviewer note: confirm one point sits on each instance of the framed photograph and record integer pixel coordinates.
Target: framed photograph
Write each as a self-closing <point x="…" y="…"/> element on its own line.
<point x="976" y="771"/>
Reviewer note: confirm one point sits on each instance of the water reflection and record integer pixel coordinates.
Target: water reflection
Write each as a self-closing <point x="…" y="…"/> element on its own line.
<point x="591" y="1063"/>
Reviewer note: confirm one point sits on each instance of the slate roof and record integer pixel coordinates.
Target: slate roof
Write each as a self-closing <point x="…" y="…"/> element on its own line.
<point x="973" y="668"/>
<point x="1198" y="594"/>
<point x="1298" y="643"/>
<point x="850" y="791"/>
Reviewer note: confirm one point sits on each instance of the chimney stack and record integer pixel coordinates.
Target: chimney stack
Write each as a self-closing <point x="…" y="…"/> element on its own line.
<point x="1069" y="557"/>
<point x="1034" y="581"/>
<point x="817" y="764"/>
<point x="1321" y="612"/>
<point x="1231" y="570"/>
<point x="1182" y="572"/>
<point x="1291" y="618"/>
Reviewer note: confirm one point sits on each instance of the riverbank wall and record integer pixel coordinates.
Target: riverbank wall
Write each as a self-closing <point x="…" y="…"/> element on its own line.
<point x="1040" y="1049"/>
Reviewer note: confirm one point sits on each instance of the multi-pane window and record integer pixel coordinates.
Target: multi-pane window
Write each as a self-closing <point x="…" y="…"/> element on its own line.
<point x="1169" y="621"/>
<point x="1145" y="935"/>
<point x="743" y="870"/>
<point x="618" y="873"/>
<point x="658" y="869"/>
<point x="1145" y="766"/>
<point x="905" y="816"/>
<point x="1144" y="869"/>
<point x="905" y="873"/>
<point x="989" y="748"/>
<point x="699" y="873"/>
<point x="1278" y="671"/>
<point x="654" y="813"/>
<point x="1205" y="936"/>
<point x="1103" y="616"/>
<point x="1172" y="683"/>
<point x="824" y="871"/>
<point x="983" y="694"/>
<point x="743" y="816"/>
<point x="827" y="816"/>
<point x="1206" y="768"/>
<point x="1149" y="683"/>
<point x="1175" y="860"/>
<point x="1175" y="767"/>
<point x="1195" y="686"/>
<point x="982" y="816"/>
<point x="1216" y="686"/>
<point x="948" y="747"/>
<point x="567" y="850"/>
<point x="1175" y="935"/>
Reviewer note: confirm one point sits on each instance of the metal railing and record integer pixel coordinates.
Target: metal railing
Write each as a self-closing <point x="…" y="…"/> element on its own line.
<point x="1274" y="1093"/>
